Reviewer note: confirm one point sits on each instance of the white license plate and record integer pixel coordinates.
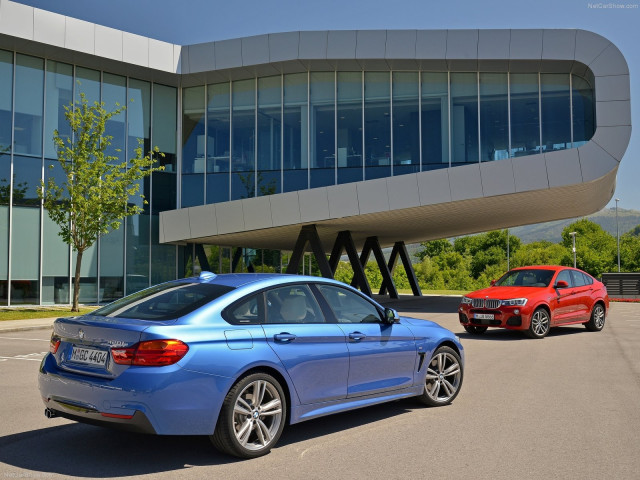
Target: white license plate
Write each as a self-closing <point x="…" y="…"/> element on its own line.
<point x="484" y="316"/>
<point x="88" y="356"/>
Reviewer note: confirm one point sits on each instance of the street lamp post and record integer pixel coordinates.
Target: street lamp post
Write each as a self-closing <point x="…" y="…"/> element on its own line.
<point x="508" y="253"/>
<point x="573" y="242"/>
<point x="618" y="234"/>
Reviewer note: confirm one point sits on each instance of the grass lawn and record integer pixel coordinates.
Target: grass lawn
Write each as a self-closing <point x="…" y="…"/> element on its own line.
<point x="14" y="313"/>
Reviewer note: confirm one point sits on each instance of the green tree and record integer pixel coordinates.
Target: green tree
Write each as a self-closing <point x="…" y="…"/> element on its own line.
<point x="595" y="248"/>
<point x="434" y="248"/>
<point x="487" y="250"/>
<point x="540" y="253"/>
<point x="94" y="196"/>
<point x="630" y="253"/>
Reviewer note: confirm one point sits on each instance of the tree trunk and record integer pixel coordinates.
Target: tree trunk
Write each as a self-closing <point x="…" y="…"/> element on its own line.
<point x="76" y="283"/>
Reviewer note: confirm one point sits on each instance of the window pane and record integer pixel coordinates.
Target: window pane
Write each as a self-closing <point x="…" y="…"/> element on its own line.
<point x="377" y="125"/>
<point x="349" y="127"/>
<point x="295" y="121"/>
<point x="584" y="124"/>
<point x="59" y="95"/>
<point x="5" y="189"/>
<point x="164" y="137"/>
<point x="88" y="274"/>
<point x="525" y="119"/>
<point x="138" y="244"/>
<point x="29" y="102"/>
<point x="556" y="112"/>
<point x="114" y="96"/>
<point x="88" y="82"/>
<point x="218" y="150"/>
<point x="6" y="95"/>
<point x="349" y="307"/>
<point x="163" y="257"/>
<point x="322" y="97"/>
<point x="494" y="117"/>
<point x="25" y="248"/>
<point x="464" y="118"/>
<point x="292" y="304"/>
<point x="193" y="146"/>
<point x="406" y="123"/>
<point x="269" y="132"/>
<point x="435" y="120"/>
<point x="112" y="265"/>
<point x="243" y="138"/>
<point x="27" y="172"/>
<point x="55" y="264"/>
<point x="138" y="116"/>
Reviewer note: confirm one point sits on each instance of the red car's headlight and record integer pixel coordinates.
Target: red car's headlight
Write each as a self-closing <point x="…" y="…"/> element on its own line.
<point x="514" y="302"/>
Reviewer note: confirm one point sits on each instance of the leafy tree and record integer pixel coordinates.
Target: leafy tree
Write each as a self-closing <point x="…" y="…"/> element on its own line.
<point x="540" y="253"/>
<point x="595" y="248"/>
<point x="434" y="248"/>
<point x="629" y="253"/>
<point x="635" y="232"/>
<point x="94" y="196"/>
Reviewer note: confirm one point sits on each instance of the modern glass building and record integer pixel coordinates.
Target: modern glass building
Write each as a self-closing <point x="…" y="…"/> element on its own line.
<point x="398" y="135"/>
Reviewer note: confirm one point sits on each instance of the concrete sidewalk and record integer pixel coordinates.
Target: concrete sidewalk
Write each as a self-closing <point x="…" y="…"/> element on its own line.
<point x="7" y="326"/>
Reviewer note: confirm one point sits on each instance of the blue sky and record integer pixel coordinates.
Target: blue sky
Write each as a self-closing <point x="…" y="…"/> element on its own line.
<point x="194" y="21"/>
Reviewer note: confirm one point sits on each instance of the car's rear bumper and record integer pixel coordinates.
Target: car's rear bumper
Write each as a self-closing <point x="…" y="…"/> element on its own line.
<point x="161" y="400"/>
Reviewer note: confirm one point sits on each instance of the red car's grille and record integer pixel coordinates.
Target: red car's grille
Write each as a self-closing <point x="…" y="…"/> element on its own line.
<point x="485" y="303"/>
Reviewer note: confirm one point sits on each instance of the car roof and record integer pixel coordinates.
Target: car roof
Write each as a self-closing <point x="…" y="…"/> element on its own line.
<point x="241" y="279"/>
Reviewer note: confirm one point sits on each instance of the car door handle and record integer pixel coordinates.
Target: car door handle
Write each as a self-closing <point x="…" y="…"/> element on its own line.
<point x="357" y="336"/>
<point x="284" y="337"/>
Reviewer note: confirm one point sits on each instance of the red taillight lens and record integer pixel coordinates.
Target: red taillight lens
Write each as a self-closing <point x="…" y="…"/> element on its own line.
<point x="54" y="344"/>
<point x="151" y="353"/>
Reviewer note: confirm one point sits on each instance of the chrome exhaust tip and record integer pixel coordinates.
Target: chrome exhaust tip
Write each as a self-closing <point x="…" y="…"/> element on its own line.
<point x="50" y="413"/>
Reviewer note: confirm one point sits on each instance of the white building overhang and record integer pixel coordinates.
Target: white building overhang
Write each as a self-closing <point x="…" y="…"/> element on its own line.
<point x="414" y="207"/>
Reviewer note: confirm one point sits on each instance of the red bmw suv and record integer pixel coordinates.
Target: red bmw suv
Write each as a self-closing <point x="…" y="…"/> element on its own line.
<point x="534" y="299"/>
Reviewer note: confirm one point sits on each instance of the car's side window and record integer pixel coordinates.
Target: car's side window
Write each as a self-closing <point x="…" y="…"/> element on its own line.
<point x="292" y="304"/>
<point x="349" y="307"/>
<point x="578" y="279"/>
<point x="249" y="311"/>
<point x="566" y="276"/>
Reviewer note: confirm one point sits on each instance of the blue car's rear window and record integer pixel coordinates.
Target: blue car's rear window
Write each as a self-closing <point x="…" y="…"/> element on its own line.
<point x="164" y="302"/>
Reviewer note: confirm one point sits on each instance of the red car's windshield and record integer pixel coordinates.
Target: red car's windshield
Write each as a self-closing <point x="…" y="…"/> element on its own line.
<point x="526" y="278"/>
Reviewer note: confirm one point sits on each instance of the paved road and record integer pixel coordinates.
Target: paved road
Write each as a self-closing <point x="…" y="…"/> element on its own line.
<point x="565" y="407"/>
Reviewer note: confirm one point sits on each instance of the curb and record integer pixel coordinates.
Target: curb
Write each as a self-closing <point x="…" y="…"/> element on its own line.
<point x="25" y="329"/>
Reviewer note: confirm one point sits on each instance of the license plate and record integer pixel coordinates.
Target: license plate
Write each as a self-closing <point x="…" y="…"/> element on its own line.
<point x="88" y="356"/>
<point x="484" y="316"/>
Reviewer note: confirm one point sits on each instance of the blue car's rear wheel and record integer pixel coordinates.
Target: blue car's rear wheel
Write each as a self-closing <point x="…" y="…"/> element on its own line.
<point x="252" y="417"/>
<point x="444" y="378"/>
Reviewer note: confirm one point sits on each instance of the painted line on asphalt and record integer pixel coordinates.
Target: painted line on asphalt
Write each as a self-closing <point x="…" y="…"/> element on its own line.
<point x="28" y="356"/>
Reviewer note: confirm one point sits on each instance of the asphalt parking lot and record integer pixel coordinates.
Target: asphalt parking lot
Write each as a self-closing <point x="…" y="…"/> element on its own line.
<point x="565" y="407"/>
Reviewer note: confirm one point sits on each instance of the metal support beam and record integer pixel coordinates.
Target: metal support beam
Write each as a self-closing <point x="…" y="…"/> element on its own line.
<point x="309" y="234"/>
<point x="202" y="258"/>
<point x="400" y="249"/>
<point x="344" y="241"/>
<point x="237" y="255"/>
<point x="371" y="244"/>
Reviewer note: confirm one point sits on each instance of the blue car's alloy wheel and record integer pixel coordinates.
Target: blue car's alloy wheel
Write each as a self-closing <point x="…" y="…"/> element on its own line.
<point x="444" y="378"/>
<point x="252" y="417"/>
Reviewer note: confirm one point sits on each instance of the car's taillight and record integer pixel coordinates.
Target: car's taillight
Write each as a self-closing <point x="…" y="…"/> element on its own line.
<point x="54" y="343"/>
<point x="151" y="353"/>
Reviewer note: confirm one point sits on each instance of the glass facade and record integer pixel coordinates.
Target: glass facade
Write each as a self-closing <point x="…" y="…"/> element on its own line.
<point x="305" y="130"/>
<point x="36" y="266"/>
<point x="248" y="138"/>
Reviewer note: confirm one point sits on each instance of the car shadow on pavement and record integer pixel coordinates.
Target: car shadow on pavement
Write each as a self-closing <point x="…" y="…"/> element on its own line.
<point x="79" y="450"/>
<point x="504" y="335"/>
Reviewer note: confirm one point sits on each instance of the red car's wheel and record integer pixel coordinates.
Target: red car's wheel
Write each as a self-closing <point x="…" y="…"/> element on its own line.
<point x="596" y="322"/>
<point x="540" y="324"/>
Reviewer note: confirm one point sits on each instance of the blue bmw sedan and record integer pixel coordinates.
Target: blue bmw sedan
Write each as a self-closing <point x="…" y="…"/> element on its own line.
<point x="237" y="356"/>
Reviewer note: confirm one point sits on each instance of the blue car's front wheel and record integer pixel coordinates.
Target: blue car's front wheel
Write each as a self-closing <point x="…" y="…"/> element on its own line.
<point x="444" y="378"/>
<point x="252" y="417"/>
